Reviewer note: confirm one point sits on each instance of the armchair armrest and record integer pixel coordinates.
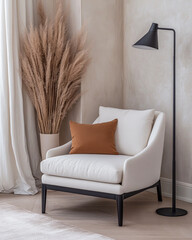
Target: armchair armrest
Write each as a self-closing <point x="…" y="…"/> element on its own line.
<point x="143" y="169"/>
<point x="61" y="150"/>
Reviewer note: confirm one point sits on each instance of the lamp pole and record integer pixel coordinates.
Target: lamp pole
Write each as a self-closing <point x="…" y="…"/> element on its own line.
<point x="159" y="211"/>
<point x="150" y="41"/>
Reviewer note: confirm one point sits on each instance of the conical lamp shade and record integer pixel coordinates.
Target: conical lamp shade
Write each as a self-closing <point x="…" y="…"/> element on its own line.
<point x="149" y="40"/>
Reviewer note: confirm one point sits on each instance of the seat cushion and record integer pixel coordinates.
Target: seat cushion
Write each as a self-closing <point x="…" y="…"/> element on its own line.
<point x="93" y="167"/>
<point x="133" y="128"/>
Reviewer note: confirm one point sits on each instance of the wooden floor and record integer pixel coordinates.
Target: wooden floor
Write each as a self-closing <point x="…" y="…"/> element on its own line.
<point x="99" y="215"/>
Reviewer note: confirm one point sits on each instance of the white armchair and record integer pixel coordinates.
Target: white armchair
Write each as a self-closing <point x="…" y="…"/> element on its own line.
<point x="109" y="176"/>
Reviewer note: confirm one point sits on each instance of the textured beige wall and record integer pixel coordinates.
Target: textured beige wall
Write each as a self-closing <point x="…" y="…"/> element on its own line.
<point x="103" y="81"/>
<point x="74" y="8"/>
<point x="148" y="74"/>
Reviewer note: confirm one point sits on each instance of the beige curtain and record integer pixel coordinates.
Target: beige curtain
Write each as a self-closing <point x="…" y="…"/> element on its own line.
<point x="19" y="150"/>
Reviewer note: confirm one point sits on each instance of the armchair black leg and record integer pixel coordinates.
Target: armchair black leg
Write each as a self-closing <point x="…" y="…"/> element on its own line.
<point x="159" y="194"/>
<point x="119" y="199"/>
<point x="44" y="196"/>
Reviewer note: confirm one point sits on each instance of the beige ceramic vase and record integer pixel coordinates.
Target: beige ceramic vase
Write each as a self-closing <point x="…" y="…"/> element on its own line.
<point x="48" y="141"/>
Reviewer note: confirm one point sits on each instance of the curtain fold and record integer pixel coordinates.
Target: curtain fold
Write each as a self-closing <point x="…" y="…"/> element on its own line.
<point x="26" y="19"/>
<point x="19" y="151"/>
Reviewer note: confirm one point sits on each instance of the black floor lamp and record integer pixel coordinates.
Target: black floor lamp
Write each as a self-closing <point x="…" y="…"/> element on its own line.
<point x="150" y="41"/>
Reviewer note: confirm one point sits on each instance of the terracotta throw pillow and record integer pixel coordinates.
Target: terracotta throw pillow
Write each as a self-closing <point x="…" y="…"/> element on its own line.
<point x="93" y="138"/>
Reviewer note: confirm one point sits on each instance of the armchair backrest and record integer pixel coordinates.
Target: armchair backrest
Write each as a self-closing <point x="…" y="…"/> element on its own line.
<point x="134" y="130"/>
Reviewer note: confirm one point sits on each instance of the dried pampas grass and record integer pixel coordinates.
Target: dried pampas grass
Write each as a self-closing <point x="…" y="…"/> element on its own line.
<point x="52" y="65"/>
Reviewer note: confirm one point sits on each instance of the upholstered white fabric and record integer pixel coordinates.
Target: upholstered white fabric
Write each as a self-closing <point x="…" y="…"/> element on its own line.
<point x="143" y="169"/>
<point x="133" y="128"/>
<point x="58" y="151"/>
<point x="139" y="171"/>
<point x="83" y="184"/>
<point x="93" y="167"/>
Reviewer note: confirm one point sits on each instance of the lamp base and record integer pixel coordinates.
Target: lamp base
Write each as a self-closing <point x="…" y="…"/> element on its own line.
<point x="169" y="212"/>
